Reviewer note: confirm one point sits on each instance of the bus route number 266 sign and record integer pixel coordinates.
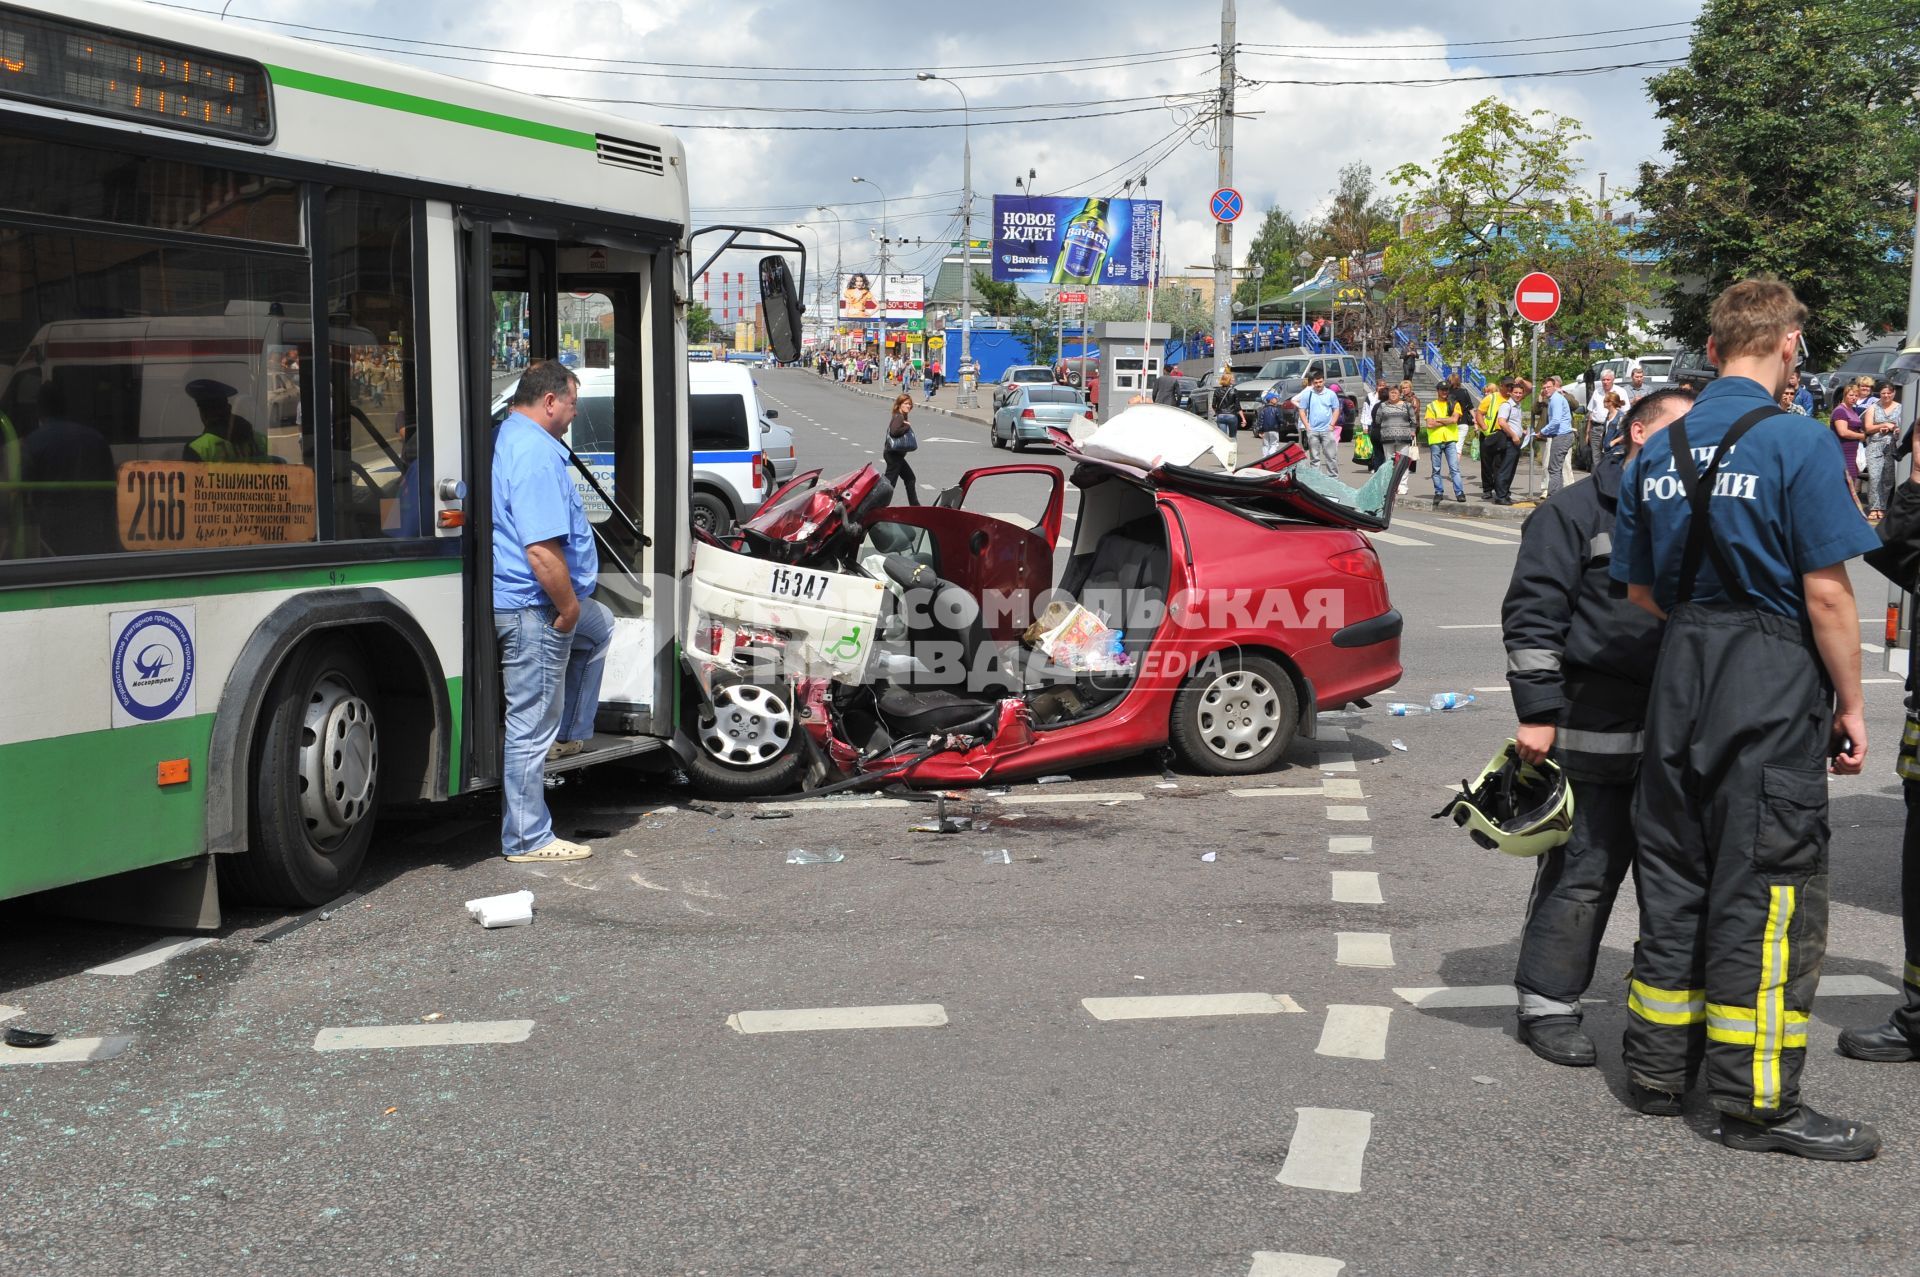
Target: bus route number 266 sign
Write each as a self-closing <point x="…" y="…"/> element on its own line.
<point x="192" y="505"/>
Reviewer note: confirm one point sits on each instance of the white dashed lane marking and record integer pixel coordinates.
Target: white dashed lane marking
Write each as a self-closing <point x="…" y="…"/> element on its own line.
<point x="1356" y="887"/>
<point x="7" y="1012"/>
<point x="1467" y="627"/>
<point x="452" y="1033"/>
<point x="1349" y="846"/>
<point x="1851" y="986"/>
<point x="1341" y="789"/>
<point x="1280" y="1263"/>
<point x="1279" y="791"/>
<point x="1188" y="1005"/>
<point x="1328" y="1150"/>
<point x="1346" y="813"/>
<point x="69" y="1051"/>
<point x="1390" y="538"/>
<point x="917" y="1015"/>
<point x="1354" y="1032"/>
<point x="1364" y="949"/>
<point x="152" y="956"/>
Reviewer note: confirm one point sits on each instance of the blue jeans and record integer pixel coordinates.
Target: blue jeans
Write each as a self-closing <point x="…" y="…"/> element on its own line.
<point x="543" y="694"/>
<point x="1451" y="453"/>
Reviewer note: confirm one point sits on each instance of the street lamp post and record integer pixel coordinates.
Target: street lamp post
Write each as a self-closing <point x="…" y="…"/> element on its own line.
<point x="839" y="229"/>
<point x="819" y="252"/>
<point x="1304" y="260"/>
<point x="1259" y="273"/>
<point x="883" y="267"/>
<point x="966" y="237"/>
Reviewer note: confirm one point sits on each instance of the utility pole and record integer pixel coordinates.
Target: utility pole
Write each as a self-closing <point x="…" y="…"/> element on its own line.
<point x="1223" y="235"/>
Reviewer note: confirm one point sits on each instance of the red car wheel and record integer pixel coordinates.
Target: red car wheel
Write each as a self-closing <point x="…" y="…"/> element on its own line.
<point x="1235" y="715"/>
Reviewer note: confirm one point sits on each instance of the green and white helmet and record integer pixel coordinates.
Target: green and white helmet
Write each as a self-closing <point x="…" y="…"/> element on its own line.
<point x="1522" y="809"/>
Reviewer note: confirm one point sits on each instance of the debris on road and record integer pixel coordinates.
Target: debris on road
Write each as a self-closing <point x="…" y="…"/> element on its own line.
<point x="708" y="809"/>
<point x="1211" y="856"/>
<point x="801" y="856"/>
<point x="515" y="909"/>
<point x="1487" y="1081"/>
<point x="999" y="857"/>
<point x="430" y="1018"/>
<point x="1053" y="780"/>
<point x="1398" y="744"/>
<point x="773" y="815"/>
<point x="28" y="1039"/>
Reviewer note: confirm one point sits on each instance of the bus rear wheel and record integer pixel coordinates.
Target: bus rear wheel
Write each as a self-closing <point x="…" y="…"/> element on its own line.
<point x="315" y="775"/>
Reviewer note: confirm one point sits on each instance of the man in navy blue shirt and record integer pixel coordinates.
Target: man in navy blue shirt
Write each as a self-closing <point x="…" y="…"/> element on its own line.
<point x="1735" y="525"/>
<point x="553" y="638"/>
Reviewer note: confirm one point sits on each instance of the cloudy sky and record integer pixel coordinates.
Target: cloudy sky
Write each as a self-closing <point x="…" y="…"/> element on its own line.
<point x="1127" y="65"/>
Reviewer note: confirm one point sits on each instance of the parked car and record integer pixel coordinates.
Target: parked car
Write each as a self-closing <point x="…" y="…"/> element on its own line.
<point x="1871" y="360"/>
<point x="776" y="443"/>
<point x="887" y="623"/>
<point x="1691" y="369"/>
<point x="1655" y="366"/>
<point x="1288" y="373"/>
<point x="1020" y="375"/>
<point x="728" y="469"/>
<point x="1030" y="411"/>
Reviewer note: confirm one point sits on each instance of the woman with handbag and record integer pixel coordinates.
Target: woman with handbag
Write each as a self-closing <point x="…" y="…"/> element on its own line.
<point x="900" y="441"/>
<point x="1882" y="425"/>
<point x="1394" y="422"/>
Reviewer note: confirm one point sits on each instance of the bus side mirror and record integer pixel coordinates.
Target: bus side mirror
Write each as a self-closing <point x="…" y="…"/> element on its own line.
<point x="780" y="302"/>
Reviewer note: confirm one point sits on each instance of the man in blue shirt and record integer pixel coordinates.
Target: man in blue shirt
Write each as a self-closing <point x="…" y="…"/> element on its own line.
<point x="1735" y="525"/>
<point x="1559" y="430"/>
<point x="552" y="637"/>
<point x="1320" y="413"/>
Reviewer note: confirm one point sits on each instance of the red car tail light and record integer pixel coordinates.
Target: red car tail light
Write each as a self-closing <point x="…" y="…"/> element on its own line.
<point x="1364" y="564"/>
<point x="1893" y="624"/>
<point x="758" y="473"/>
<point x="1026" y="414"/>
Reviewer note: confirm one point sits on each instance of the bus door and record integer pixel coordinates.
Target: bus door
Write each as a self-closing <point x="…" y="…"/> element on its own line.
<point x="595" y="304"/>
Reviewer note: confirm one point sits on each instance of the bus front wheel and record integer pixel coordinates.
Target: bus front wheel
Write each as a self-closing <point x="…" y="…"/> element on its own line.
<point x="315" y="775"/>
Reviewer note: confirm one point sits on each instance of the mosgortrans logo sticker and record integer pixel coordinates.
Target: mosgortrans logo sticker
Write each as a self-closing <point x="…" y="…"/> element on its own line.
<point x="151" y="665"/>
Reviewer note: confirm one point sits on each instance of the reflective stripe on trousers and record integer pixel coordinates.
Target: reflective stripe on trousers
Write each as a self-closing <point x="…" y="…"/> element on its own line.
<point x="1667" y="1006"/>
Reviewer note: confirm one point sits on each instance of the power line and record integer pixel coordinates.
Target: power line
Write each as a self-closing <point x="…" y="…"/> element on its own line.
<point x="1441" y="82"/>
<point x="569" y="61"/>
<point x="685" y="125"/>
<point x="863" y="110"/>
<point x="1465" y="44"/>
<point x="1372" y="56"/>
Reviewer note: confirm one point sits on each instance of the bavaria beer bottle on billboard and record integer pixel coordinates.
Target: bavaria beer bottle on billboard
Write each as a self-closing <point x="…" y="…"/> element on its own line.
<point x="1083" y="245"/>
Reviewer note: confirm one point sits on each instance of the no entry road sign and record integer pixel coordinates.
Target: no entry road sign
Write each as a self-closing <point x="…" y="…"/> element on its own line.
<point x="1537" y="297"/>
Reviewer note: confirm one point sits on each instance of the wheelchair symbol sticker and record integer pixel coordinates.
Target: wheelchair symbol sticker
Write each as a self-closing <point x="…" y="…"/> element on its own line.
<point x="846" y="648"/>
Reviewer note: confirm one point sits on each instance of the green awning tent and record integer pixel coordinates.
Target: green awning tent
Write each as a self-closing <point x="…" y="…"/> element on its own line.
<point x="1315" y="295"/>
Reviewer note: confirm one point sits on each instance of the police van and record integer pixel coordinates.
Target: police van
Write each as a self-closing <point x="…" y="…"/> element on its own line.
<point x="729" y="470"/>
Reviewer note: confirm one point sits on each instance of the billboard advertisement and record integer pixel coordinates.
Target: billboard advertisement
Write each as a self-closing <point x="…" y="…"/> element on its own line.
<point x="1060" y="239"/>
<point x="860" y="296"/>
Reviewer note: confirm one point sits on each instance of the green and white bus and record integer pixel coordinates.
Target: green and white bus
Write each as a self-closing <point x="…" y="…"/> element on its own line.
<point x="256" y="297"/>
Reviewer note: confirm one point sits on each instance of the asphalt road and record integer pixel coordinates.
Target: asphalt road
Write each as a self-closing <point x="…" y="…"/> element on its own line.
<point x="645" y="1122"/>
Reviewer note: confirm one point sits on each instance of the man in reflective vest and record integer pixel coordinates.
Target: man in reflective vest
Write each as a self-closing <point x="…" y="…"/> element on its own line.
<point x="1578" y="661"/>
<point x="1735" y="527"/>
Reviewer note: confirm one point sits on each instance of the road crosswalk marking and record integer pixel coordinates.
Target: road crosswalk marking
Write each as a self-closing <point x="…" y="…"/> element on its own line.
<point x="7" y="1012"/>
<point x="1444" y="997"/>
<point x="1341" y="789"/>
<point x="1356" y="887"/>
<point x="1363" y="949"/>
<point x="1279" y="1263"/>
<point x="1328" y="1150"/>
<point x="1346" y="813"/>
<point x="67" y="1051"/>
<point x="1185" y="1005"/>
<point x="1341" y="845"/>
<point x="1354" y="1032"/>
<point x="1337" y="763"/>
<point x="448" y="1033"/>
<point x="918" y="1015"/>
<point x="151" y="956"/>
<point x="1851" y="986"/>
<point x="1430" y="529"/>
<point x="1392" y="538"/>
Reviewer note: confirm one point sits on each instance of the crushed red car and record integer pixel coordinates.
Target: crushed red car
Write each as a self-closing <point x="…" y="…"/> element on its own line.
<point x="835" y="641"/>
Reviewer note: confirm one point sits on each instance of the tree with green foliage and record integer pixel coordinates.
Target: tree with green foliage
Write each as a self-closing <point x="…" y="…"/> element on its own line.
<point x="1502" y="199"/>
<point x="1031" y="321"/>
<point x="1795" y="137"/>
<point x="1275" y="245"/>
<point x="699" y="323"/>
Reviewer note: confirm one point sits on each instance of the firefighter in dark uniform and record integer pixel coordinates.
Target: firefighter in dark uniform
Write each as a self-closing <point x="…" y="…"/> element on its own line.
<point x="1897" y="1038"/>
<point x="1735" y="525"/>
<point x="1579" y="659"/>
